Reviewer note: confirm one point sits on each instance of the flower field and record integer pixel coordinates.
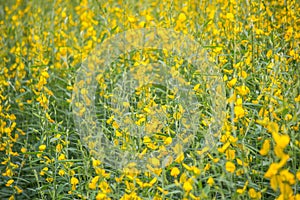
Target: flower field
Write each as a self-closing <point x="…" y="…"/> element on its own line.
<point x="240" y="140"/>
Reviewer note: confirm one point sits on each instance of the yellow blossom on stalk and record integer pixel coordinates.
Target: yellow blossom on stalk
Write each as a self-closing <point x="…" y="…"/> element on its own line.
<point x="230" y="154"/>
<point x="273" y="169"/>
<point x="8" y="172"/>
<point x="180" y="158"/>
<point x="287" y="176"/>
<point x="93" y="183"/>
<point x="298" y="175"/>
<point x="281" y="140"/>
<point x="104" y="186"/>
<point x="9" y="182"/>
<point x="101" y="196"/>
<point x="74" y="181"/>
<point x="182" y="17"/>
<point x="175" y="171"/>
<point x="210" y="181"/>
<point x="96" y="162"/>
<point x="230" y="16"/>
<point x="238" y="109"/>
<point x="61" y="172"/>
<point x="241" y="191"/>
<point x="253" y="194"/>
<point x="23" y="150"/>
<point x="19" y="190"/>
<point x="49" y="179"/>
<point x="165" y="192"/>
<point x="59" y="147"/>
<point x="243" y="90"/>
<point x="232" y="82"/>
<point x="44" y="170"/>
<point x="265" y="148"/>
<point x="230" y="166"/>
<point x="62" y="157"/>
<point x="42" y="147"/>
<point x="273" y="127"/>
<point x="242" y="163"/>
<point x="187" y="186"/>
<point x="168" y="141"/>
<point x="274" y="182"/>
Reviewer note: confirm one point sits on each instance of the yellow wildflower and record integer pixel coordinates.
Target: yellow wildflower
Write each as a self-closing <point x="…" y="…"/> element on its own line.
<point x="175" y="171"/>
<point x="9" y="182"/>
<point x="210" y="181"/>
<point x="42" y="147"/>
<point x="182" y="17"/>
<point x="232" y="82"/>
<point x="74" y="181"/>
<point x="243" y="90"/>
<point x="273" y="169"/>
<point x="93" y="183"/>
<point x="230" y="166"/>
<point x="265" y="148"/>
<point x="253" y="194"/>
<point x="187" y="186"/>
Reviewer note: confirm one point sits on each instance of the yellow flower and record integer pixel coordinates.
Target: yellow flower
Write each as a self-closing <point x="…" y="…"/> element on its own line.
<point x="49" y="180"/>
<point x="23" y="150"/>
<point x="241" y="191"/>
<point x="273" y="169"/>
<point x="175" y="171"/>
<point x="181" y="17"/>
<point x="42" y="147"/>
<point x="19" y="190"/>
<point x="242" y="163"/>
<point x="273" y="127"/>
<point x="101" y="196"/>
<point x="238" y="109"/>
<point x="230" y="154"/>
<point x="286" y="190"/>
<point x="74" y="181"/>
<point x="298" y="175"/>
<point x="180" y="158"/>
<point x="265" y="148"/>
<point x="230" y="16"/>
<point x="168" y="141"/>
<point x="154" y="161"/>
<point x="187" y="186"/>
<point x="224" y="147"/>
<point x="96" y="162"/>
<point x="284" y="159"/>
<point x="196" y="170"/>
<point x="165" y="192"/>
<point x="44" y="170"/>
<point x="210" y="181"/>
<point x="62" y="157"/>
<point x="232" y="82"/>
<point x="151" y="183"/>
<point x="61" y="172"/>
<point x="9" y="182"/>
<point x="8" y="172"/>
<point x="93" y="183"/>
<point x="230" y="166"/>
<point x="59" y="147"/>
<point x="104" y="187"/>
<point x="243" y="90"/>
<point x="274" y="182"/>
<point x="253" y="194"/>
<point x="281" y="140"/>
<point x="287" y="176"/>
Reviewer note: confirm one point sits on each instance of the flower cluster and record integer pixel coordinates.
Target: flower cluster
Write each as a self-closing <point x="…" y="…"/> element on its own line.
<point x="255" y="46"/>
